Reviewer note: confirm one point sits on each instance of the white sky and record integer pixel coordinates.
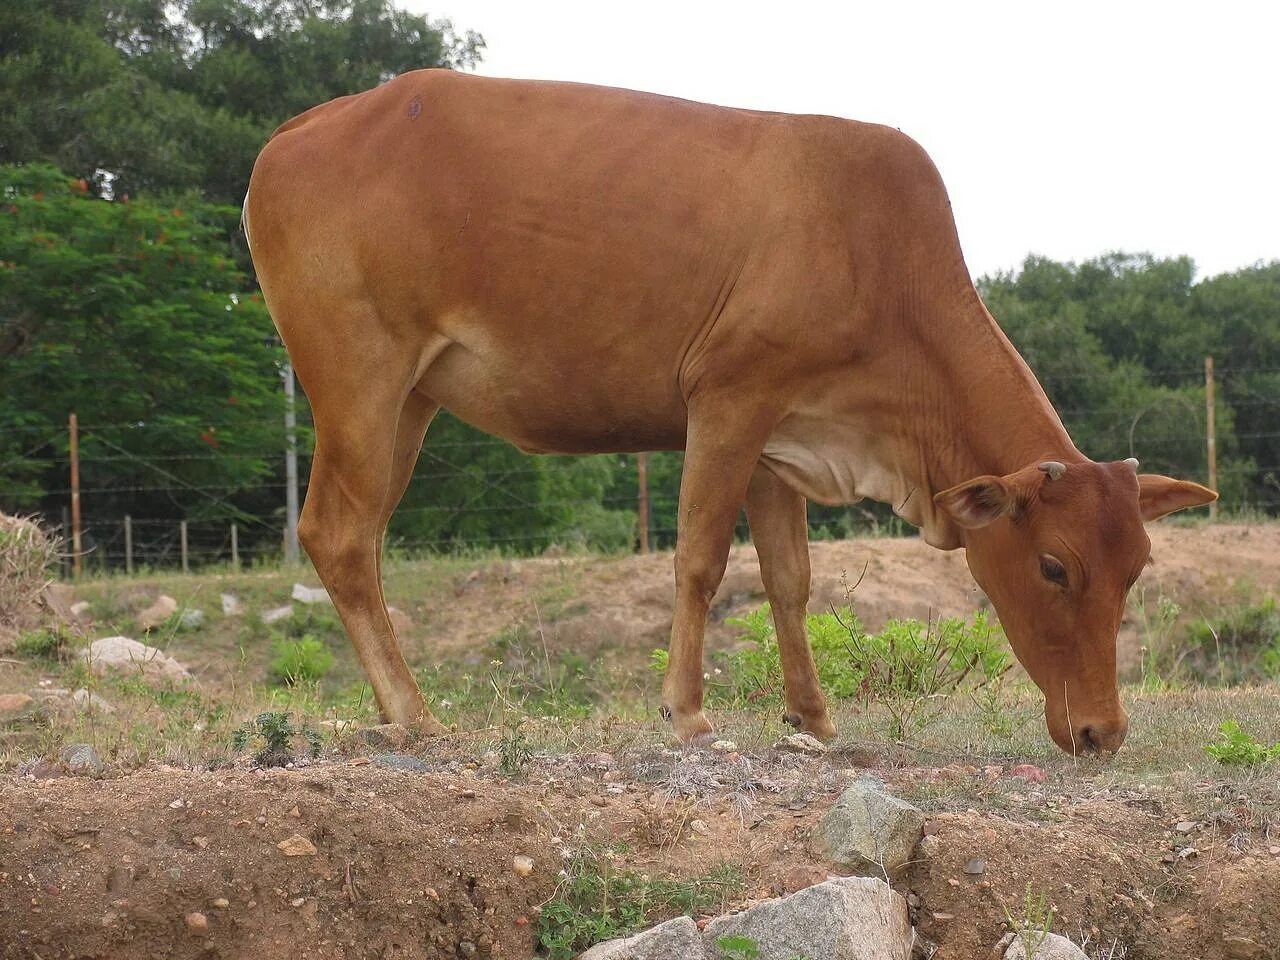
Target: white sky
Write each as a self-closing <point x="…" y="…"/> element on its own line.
<point x="1063" y="129"/>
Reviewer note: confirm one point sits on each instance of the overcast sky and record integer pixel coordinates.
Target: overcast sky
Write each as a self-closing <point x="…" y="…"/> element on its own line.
<point x="1062" y="129"/>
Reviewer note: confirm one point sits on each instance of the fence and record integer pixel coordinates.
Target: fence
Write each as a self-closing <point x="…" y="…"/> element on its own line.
<point x="148" y="502"/>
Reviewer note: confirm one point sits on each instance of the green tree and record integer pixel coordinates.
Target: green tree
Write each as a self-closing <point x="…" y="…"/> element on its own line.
<point x="127" y="314"/>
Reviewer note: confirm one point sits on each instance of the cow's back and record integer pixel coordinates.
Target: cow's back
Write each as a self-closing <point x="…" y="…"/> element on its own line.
<point x="537" y="224"/>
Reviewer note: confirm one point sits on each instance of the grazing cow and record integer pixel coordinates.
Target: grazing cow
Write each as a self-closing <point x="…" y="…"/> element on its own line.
<point x="580" y="269"/>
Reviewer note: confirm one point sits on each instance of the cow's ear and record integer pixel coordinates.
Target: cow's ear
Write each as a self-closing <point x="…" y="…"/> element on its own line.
<point x="978" y="502"/>
<point x="1159" y="496"/>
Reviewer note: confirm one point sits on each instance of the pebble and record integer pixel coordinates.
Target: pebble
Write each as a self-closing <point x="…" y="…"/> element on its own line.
<point x="82" y="758"/>
<point x="805" y="744"/>
<point x="297" y="901"/>
<point x="1274" y="851"/>
<point x="724" y="746"/>
<point x="1186" y="826"/>
<point x="295" y="812"/>
<point x="522" y="865"/>
<point x="699" y="827"/>
<point x="197" y="922"/>
<point x="219" y="903"/>
<point x="177" y="804"/>
<point x="297" y="846"/>
<point x="975" y="867"/>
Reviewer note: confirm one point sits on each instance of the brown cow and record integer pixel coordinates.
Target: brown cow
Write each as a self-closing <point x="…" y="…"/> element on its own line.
<point x="580" y="269"/>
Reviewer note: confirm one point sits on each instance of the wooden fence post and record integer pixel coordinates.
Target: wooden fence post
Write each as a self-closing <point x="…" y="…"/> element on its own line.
<point x="1211" y="433"/>
<point x="642" y="474"/>
<point x="235" y="548"/>
<point x="77" y="557"/>
<point x="182" y="535"/>
<point x="128" y="544"/>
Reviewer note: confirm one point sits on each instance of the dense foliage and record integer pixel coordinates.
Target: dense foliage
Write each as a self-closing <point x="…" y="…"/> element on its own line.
<point x="128" y="129"/>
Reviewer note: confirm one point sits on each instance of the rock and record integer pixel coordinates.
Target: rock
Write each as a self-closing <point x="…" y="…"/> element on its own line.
<point x="869" y="831"/>
<point x="197" y="923"/>
<point x="130" y="656"/>
<point x="724" y="746"/>
<point x="1053" y="947"/>
<point x="39" y="768"/>
<point x="297" y="846"/>
<point x="156" y="614"/>
<point x="849" y="918"/>
<point x="191" y="619"/>
<point x="802" y="743"/>
<point x="15" y="706"/>
<point x="676" y="939"/>
<point x="522" y="865"/>
<point x="82" y="758"/>
<point x="975" y="867"/>
<point x="80" y="610"/>
<point x="1029" y="772"/>
<point x="220" y="903"/>
<point x="304" y="594"/>
<point x="276" y="614"/>
<point x="231" y="605"/>
<point x="699" y="827"/>
<point x="1186" y="826"/>
<point x="85" y="700"/>
<point x="398" y="761"/>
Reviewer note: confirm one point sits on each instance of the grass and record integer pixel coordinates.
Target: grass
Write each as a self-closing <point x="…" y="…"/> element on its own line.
<point x="598" y="899"/>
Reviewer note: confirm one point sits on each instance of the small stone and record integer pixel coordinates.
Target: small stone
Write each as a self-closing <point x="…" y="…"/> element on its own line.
<point x="231" y="605"/>
<point x="1274" y="851"/>
<point x="1028" y="771"/>
<point x="869" y="831"/>
<point x="201" y="842"/>
<point x="14" y="706"/>
<point x="952" y="881"/>
<point x="944" y="917"/>
<point x="177" y="804"/>
<point x="220" y="903"/>
<point x="197" y="923"/>
<point x="466" y="948"/>
<point x="191" y="619"/>
<point x="431" y="894"/>
<point x="805" y="744"/>
<point x="975" y="867"/>
<point x="295" y="812"/>
<point x="699" y="827"/>
<point x="1186" y="826"/>
<point x="522" y="865"/>
<point x="276" y="614"/>
<point x="724" y="746"/>
<point x="297" y="901"/>
<point x="297" y="846"/>
<point x="156" y="614"/>
<point x="309" y="595"/>
<point x="82" y="758"/>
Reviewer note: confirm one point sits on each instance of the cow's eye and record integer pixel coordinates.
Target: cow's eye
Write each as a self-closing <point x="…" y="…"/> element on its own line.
<point x="1053" y="570"/>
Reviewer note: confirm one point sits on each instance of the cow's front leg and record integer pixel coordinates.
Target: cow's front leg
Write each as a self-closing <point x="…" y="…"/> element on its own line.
<point x="720" y="453"/>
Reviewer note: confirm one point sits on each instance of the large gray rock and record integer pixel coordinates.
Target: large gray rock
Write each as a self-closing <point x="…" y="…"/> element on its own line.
<point x="1053" y="947"/>
<point x="849" y="918"/>
<point x="676" y="939"/>
<point x="869" y="831"/>
<point x="126" y="655"/>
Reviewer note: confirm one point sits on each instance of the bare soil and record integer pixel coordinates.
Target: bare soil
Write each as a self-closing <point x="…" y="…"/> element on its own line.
<point x="183" y="861"/>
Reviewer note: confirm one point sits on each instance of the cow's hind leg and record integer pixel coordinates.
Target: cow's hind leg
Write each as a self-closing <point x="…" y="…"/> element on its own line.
<point x="724" y="441"/>
<point x="363" y="458"/>
<point x="779" y="529"/>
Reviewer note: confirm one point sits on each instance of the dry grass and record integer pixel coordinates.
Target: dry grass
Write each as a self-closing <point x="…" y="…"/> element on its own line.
<point x="27" y="553"/>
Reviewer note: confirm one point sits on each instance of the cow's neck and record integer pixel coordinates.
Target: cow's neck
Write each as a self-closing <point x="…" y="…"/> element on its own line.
<point x="975" y="409"/>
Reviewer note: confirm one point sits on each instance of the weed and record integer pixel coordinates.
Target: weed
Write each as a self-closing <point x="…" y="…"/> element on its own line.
<point x="1237" y="748"/>
<point x="597" y="900"/>
<point x="278" y="735"/>
<point x="514" y="751"/>
<point x="1162" y="655"/>
<point x="1242" y="643"/>
<point x="305" y="660"/>
<point x="740" y="947"/>
<point x="1035" y="922"/>
<point x="48" y="644"/>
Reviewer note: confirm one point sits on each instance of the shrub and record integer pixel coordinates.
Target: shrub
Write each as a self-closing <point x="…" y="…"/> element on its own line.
<point x="277" y="734"/>
<point x="1237" y="748"/>
<point x="300" y="661"/>
<point x="1242" y="645"/>
<point x="44" y="644"/>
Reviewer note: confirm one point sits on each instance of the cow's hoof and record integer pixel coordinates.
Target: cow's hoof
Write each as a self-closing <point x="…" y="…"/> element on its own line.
<point x="690" y="727"/>
<point x="819" y="726"/>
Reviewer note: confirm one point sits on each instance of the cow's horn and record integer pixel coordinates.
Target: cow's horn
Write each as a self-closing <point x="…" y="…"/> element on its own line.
<point x="1133" y="462"/>
<point x="1054" y="469"/>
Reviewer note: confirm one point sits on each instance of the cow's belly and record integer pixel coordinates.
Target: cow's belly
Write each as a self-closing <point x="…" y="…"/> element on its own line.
<point x="569" y="405"/>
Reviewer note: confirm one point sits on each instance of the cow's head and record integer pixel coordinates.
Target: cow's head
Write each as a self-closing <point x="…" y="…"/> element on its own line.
<point x="1056" y="547"/>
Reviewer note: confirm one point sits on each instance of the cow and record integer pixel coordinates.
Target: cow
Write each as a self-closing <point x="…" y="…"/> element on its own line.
<point x="580" y="269"/>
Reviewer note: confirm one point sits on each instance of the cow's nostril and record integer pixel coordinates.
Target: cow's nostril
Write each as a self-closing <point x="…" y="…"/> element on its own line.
<point x="1087" y="740"/>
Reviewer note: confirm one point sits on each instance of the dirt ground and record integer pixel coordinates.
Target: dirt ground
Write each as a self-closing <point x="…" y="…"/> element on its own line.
<point x="1141" y="859"/>
<point x="420" y="864"/>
